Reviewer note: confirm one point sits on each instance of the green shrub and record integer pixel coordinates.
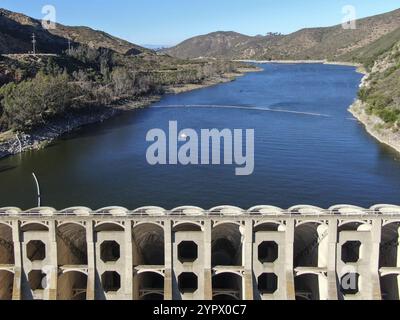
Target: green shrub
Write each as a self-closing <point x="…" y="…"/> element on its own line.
<point x="32" y="102"/>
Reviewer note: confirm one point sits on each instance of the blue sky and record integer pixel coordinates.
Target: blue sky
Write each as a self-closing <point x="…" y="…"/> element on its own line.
<point x="167" y="22"/>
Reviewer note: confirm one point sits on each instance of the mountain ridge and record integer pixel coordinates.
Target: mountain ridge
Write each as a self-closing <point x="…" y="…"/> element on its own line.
<point x="16" y="31"/>
<point x="308" y="43"/>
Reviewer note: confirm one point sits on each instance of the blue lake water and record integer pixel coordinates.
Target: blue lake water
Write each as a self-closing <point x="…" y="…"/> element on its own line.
<point x="314" y="154"/>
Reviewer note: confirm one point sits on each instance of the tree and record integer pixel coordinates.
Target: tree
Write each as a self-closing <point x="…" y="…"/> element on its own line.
<point x="31" y="102"/>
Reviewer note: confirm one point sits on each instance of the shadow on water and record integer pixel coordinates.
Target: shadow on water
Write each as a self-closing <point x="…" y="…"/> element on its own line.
<point x="123" y="120"/>
<point x="7" y="168"/>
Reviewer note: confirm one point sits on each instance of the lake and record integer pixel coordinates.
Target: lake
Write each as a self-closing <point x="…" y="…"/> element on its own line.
<point x="308" y="150"/>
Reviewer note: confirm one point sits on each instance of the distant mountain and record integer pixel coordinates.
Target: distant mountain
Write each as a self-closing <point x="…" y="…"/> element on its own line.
<point x="311" y="43"/>
<point x="216" y="44"/>
<point x="156" y="47"/>
<point x="16" y="36"/>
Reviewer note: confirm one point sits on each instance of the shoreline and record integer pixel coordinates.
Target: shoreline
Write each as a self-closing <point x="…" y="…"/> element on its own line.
<point x="360" y="67"/>
<point x="12" y="143"/>
<point x="375" y="126"/>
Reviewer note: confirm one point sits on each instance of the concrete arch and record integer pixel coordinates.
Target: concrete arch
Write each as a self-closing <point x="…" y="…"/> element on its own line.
<point x="188" y="226"/>
<point x="149" y="286"/>
<point x="6" y="287"/>
<point x="353" y="225"/>
<point x="10" y="211"/>
<point x="77" y="223"/>
<point x="225" y="297"/>
<point x="269" y="226"/>
<point x="266" y="211"/>
<point x="113" y="211"/>
<point x="229" y="285"/>
<point x="226" y="245"/>
<point x="389" y="247"/>
<point x="77" y="211"/>
<point x="155" y="223"/>
<point x="150" y="211"/>
<point x="307" y="287"/>
<point x="388" y="222"/>
<point x="72" y="285"/>
<point x="345" y="209"/>
<point x="5" y="223"/>
<point x="152" y="296"/>
<point x="188" y="211"/>
<point x="71" y="244"/>
<point x="148" y="244"/>
<point x="386" y="209"/>
<point x="109" y="226"/>
<point x="306" y="210"/>
<point x="308" y="272"/>
<point x="219" y="223"/>
<point x="309" y="241"/>
<point x="41" y="211"/>
<point x="302" y="222"/>
<point x="159" y="272"/>
<point x="6" y="245"/>
<point x="219" y="272"/>
<point x="75" y="270"/>
<point x="390" y="287"/>
<point x="34" y="226"/>
<point x="226" y="211"/>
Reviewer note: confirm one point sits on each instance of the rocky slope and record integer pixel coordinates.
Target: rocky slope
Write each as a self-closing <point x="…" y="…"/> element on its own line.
<point x="378" y="106"/>
<point x="16" y="35"/>
<point x="330" y="43"/>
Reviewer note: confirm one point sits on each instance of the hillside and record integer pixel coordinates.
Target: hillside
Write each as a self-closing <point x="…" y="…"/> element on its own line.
<point x="312" y="43"/>
<point x="216" y="44"/>
<point x="45" y="95"/>
<point x="16" y="35"/>
<point x="369" y="54"/>
<point x="378" y="107"/>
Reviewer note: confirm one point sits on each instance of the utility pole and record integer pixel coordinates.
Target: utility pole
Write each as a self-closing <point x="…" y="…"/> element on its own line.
<point x="34" y="43"/>
<point x="69" y="46"/>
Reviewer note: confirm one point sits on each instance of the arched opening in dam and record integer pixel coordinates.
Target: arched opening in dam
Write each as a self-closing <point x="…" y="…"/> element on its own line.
<point x="71" y="245"/>
<point x="227" y="286"/>
<point x="151" y="286"/>
<point x="72" y="285"/>
<point x="37" y="280"/>
<point x="226" y="245"/>
<point x="389" y="248"/>
<point x="6" y="245"/>
<point x="307" y="287"/>
<point x="309" y="241"/>
<point x="148" y="245"/>
<point x="148" y="249"/>
<point x="6" y="284"/>
<point x="390" y="287"/>
<point x="389" y="258"/>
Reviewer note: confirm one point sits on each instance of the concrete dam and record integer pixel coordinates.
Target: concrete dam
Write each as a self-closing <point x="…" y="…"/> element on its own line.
<point x="225" y="253"/>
